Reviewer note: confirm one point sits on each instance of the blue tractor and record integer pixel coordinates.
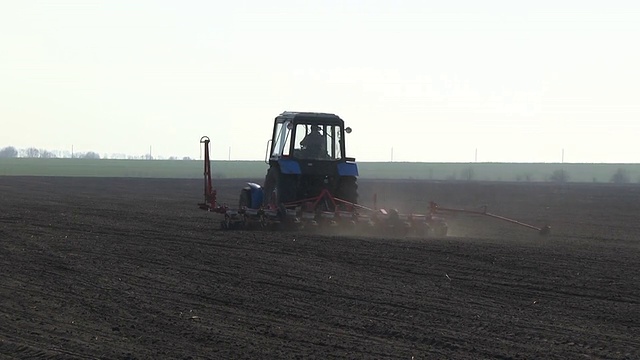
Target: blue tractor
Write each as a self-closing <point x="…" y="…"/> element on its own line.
<point x="307" y="161"/>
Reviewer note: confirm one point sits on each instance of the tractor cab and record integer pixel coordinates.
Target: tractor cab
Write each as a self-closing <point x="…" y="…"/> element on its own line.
<point x="308" y="136"/>
<point x="306" y="156"/>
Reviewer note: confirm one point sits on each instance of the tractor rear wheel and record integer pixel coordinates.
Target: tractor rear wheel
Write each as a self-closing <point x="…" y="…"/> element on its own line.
<point x="284" y="185"/>
<point x="348" y="189"/>
<point x="286" y="188"/>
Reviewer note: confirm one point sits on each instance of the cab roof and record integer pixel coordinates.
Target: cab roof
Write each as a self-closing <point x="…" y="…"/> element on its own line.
<point x="312" y="117"/>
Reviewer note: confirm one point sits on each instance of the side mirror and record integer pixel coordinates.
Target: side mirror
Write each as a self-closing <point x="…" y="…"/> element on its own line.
<point x="348" y="130"/>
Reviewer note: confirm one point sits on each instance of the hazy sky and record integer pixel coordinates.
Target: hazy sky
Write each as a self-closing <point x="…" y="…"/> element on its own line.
<point x="432" y="80"/>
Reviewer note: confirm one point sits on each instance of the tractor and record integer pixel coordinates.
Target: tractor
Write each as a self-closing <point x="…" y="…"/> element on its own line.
<point x="306" y="157"/>
<point x="311" y="183"/>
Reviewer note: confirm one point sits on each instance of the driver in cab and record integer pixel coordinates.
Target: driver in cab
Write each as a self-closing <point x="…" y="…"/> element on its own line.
<point x="314" y="143"/>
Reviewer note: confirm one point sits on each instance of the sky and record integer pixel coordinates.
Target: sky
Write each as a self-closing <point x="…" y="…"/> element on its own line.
<point x="426" y="81"/>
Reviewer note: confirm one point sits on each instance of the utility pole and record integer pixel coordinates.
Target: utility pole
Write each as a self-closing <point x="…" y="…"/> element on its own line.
<point x="391" y="154"/>
<point x="229" y="153"/>
<point x="476" y="154"/>
<point x="72" y="151"/>
<point x="562" y="156"/>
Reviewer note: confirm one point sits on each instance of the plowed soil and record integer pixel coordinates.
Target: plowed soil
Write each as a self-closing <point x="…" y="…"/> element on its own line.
<point x="132" y="269"/>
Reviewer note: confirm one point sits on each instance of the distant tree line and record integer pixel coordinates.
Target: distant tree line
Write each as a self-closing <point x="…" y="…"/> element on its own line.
<point x="32" y="152"/>
<point x="620" y="176"/>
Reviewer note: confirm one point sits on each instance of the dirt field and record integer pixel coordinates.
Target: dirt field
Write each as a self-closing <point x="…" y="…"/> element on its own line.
<point x="131" y="268"/>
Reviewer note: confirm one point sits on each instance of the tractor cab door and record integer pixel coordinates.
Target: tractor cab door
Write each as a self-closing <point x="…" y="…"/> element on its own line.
<point x="281" y="139"/>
